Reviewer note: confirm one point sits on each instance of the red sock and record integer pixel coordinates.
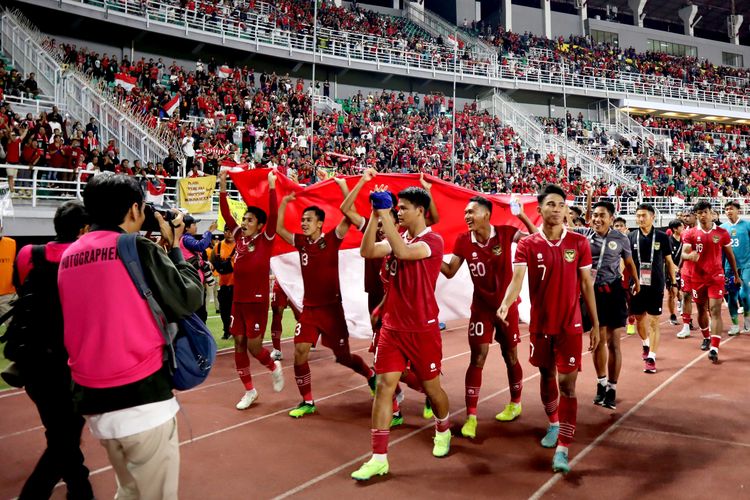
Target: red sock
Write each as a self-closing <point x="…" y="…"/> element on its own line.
<point x="550" y="394"/>
<point x="304" y="381"/>
<point x="515" y="380"/>
<point x="242" y="362"/>
<point x="715" y="340"/>
<point x="568" y="411"/>
<point x="442" y="424"/>
<point x="379" y="441"/>
<point x="276" y="339"/>
<point x="686" y="318"/>
<point x="412" y="381"/>
<point x="276" y="327"/>
<point x="264" y="356"/>
<point x="473" y="384"/>
<point x="358" y="364"/>
<point x="631" y="320"/>
<point x="396" y="408"/>
<point x="705" y="333"/>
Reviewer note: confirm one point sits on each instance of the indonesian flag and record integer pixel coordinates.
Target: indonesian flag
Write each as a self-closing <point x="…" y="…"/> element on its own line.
<point x="225" y="71"/>
<point x="172" y="105"/>
<point x="453" y="296"/>
<point x="125" y="81"/>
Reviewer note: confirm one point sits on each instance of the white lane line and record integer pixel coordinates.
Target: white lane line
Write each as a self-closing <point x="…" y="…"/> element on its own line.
<point x="685" y="436"/>
<point x="361" y="458"/>
<point x="601" y="437"/>
<point x="38" y="427"/>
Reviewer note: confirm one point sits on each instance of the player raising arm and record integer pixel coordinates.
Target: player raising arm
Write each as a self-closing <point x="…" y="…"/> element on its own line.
<point x="558" y="262"/>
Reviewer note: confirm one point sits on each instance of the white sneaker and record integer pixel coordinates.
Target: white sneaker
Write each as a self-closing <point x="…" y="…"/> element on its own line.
<point x="278" y="377"/>
<point x="746" y="325"/>
<point x="276" y="355"/>
<point x="248" y="399"/>
<point x="684" y="333"/>
<point x="734" y="330"/>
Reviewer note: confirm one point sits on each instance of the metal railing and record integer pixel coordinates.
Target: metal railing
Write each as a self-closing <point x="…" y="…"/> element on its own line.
<point x="345" y="47"/>
<point x="78" y="95"/>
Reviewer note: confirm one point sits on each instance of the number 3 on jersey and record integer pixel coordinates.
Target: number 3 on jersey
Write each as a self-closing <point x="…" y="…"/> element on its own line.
<point x="476" y="329"/>
<point x="303" y="258"/>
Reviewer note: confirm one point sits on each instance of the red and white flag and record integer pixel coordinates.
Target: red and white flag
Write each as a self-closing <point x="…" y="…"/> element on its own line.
<point x="172" y="105"/>
<point x="225" y="71"/>
<point x="126" y="81"/>
<point x="453" y="296"/>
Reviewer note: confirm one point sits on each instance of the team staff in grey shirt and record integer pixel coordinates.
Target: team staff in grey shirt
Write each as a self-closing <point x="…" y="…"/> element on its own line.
<point x="608" y="247"/>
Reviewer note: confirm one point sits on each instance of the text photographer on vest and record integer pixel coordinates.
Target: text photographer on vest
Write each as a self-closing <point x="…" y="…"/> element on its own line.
<point x="116" y="349"/>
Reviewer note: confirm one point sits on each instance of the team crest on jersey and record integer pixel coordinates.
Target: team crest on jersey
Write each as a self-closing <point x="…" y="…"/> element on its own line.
<point x="734" y="232"/>
<point x="251" y="247"/>
<point x="322" y="244"/>
<point x="715" y="239"/>
<point x="497" y="250"/>
<point x="570" y="255"/>
<point x="612" y="245"/>
<point x="657" y="245"/>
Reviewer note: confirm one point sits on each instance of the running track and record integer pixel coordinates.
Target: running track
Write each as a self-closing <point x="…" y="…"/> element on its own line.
<point x="678" y="433"/>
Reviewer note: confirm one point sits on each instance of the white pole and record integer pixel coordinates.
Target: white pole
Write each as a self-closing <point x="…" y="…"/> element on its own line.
<point x="453" y="149"/>
<point x="312" y="88"/>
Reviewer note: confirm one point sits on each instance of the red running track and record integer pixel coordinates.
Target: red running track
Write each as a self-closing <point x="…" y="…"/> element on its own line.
<point x="677" y="434"/>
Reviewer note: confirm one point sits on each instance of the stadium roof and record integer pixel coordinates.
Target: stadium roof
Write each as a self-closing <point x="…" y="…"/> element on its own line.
<point x="662" y="12"/>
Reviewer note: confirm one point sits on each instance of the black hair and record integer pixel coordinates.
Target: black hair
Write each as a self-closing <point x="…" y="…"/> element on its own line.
<point x="108" y="197"/>
<point x="259" y="213"/>
<point x="70" y="218"/>
<point x="319" y="213"/>
<point x="548" y="190"/>
<point x="733" y="203"/>
<point x="608" y="206"/>
<point x="481" y="200"/>
<point x="702" y="205"/>
<point x="577" y="211"/>
<point x="619" y="219"/>
<point x="674" y="224"/>
<point x="646" y="206"/>
<point x="416" y="196"/>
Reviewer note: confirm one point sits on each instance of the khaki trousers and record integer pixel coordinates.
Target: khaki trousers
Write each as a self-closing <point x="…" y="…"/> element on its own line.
<point x="147" y="464"/>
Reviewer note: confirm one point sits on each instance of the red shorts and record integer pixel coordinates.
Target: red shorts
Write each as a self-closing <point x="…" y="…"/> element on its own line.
<point x="686" y="284"/>
<point x="279" y="300"/>
<point x="556" y="351"/>
<point x="423" y="351"/>
<point x="710" y="288"/>
<point x="484" y="325"/>
<point x="328" y="321"/>
<point x="249" y="319"/>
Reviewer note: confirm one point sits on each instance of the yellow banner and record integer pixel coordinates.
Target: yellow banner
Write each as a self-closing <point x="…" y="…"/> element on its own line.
<point x="238" y="208"/>
<point x="196" y="193"/>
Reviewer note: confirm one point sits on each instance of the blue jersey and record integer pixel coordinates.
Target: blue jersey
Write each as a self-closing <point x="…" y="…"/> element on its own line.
<point x="740" y="234"/>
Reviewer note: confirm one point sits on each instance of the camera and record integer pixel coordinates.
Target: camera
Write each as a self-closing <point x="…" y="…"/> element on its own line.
<point x="208" y="275"/>
<point x="150" y="223"/>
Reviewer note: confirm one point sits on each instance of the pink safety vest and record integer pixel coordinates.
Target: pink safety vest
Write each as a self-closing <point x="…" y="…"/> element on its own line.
<point x="110" y="334"/>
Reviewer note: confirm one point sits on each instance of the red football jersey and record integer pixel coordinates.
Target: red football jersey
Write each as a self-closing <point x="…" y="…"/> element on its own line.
<point x="554" y="283"/>
<point x="489" y="264"/>
<point x="686" y="266"/>
<point x="372" y="269"/>
<point x="252" y="266"/>
<point x="410" y="304"/>
<point x="319" y="260"/>
<point x="709" y="245"/>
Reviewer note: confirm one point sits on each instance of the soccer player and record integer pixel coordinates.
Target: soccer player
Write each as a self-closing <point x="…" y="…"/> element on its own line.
<point x="486" y="249"/>
<point x="279" y="302"/>
<point x="322" y="311"/>
<point x="686" y="273"/>
<point x="676" y="228"/>
<point x="703" y="246"/>
<point x="252" y="263"/>
<point x="621" y="226"/>
<point x="652" y="251"/>
<point x="608" y="248"/>
<point x="739" y="231"/>
<point x="558" y="262"/>
<point x="410" y="331"/>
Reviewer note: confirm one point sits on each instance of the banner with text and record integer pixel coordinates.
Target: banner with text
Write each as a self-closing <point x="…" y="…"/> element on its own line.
<point x="196" y="193"/>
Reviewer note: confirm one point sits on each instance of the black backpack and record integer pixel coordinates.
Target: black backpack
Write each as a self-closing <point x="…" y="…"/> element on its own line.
<point x="222" y="266"/>
<point x="36" y="322"/>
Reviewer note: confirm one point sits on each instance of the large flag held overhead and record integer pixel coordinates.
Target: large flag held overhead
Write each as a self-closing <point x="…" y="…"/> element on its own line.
<point x="454" y="295"/>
